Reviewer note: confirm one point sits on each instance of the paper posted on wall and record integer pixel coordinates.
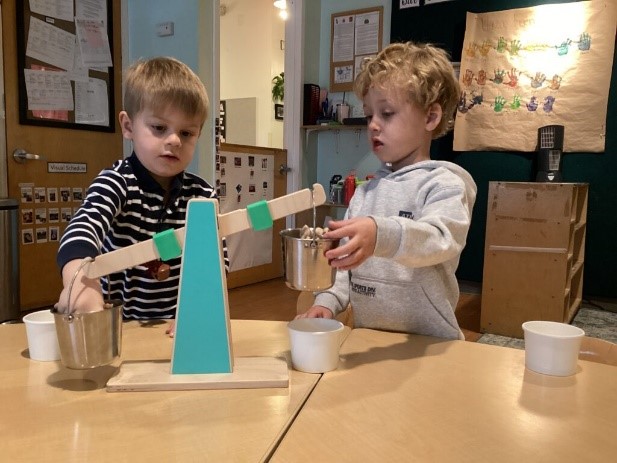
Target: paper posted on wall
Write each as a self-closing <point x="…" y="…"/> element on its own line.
<point x="519" y="73"/>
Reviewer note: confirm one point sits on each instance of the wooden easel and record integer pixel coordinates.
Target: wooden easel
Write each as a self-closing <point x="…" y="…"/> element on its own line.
<point x="202" y="353"/>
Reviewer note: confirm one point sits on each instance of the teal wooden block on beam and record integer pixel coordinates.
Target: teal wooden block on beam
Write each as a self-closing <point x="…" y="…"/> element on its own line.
<point x="202" y="340"/>
<point x="167" y="244"/>
<point x="259" y="215"/>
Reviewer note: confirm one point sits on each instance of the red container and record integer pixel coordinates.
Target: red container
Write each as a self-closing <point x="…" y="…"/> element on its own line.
<point x="349" y="188"/>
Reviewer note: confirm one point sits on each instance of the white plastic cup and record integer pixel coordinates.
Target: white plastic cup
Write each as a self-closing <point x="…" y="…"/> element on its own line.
<point x="315" y="344"/>
<point x="42" y="338"/>
<point x="552" y="348"/>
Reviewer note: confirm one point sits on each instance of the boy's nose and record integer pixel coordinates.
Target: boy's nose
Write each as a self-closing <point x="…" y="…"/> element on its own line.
<point x="173" y="139"/>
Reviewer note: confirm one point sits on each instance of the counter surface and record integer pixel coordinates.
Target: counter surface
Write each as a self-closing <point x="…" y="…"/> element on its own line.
<point x="398" y="397"/>
<point x="51" y="413"/>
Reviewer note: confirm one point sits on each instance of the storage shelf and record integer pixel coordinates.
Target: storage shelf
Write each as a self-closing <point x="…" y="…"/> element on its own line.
<point x="574" y="306"/>
<point x="576" y="267"/>
<point x="336" y="128"/>
<point x="331" y="127"/>
<point x="525" y="278"/>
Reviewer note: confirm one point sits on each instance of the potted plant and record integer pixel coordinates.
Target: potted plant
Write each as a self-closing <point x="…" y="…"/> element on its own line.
<point x="278" y="87"/>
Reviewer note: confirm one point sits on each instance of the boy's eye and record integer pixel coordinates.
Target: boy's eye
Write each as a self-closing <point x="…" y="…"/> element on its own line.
<point x="186" y="133"/>
<point x="158" y="128"/>
<point x="387" y="114"/>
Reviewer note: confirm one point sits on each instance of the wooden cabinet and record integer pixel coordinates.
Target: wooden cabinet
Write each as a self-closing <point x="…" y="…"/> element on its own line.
<point x="533" y="255"/>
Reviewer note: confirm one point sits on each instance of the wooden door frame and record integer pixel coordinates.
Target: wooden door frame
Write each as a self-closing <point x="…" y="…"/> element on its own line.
<point x="4" y="186"/>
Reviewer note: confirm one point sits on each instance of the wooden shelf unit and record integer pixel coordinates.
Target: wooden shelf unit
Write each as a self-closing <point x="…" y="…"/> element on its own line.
<point x="533" y="255"/>
<point x="336" y="128"/>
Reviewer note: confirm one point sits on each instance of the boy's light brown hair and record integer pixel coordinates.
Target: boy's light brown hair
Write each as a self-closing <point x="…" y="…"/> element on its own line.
<point x="422" y="72"/>
<point x="157" y="83"/>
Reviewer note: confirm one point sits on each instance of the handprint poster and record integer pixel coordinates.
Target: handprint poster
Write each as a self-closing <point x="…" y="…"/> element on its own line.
<point x="525" y="68"/>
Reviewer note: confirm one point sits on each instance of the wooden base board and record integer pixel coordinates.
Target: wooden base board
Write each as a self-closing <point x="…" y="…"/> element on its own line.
<point x="248" y="373"/>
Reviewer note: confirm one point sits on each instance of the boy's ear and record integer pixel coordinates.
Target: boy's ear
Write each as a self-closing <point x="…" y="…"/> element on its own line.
<point x="433" y="117"/>
<point x="126" y="125"/>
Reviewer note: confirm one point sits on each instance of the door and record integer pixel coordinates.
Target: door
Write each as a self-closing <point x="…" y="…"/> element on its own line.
<point x="48" y="200"/>
<point x="248" y="189"/>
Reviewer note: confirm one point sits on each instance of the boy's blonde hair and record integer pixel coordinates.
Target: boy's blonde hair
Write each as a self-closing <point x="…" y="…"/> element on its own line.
<point x="423" y="72"/>
<point x="156" y="83"/>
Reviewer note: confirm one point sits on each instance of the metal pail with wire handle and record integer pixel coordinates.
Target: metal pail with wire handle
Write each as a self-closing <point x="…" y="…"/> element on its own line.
<point x="305" y="266"/>
<point x="89" y="339"/>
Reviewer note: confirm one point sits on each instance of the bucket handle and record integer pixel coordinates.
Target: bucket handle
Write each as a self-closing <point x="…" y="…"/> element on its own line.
<point x="314" y="217"/>
<point x="84" y="262"/>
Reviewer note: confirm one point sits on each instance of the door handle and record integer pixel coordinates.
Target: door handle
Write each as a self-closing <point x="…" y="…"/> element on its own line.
<point x="283" y="169"/>
<point x="22" y="156"/>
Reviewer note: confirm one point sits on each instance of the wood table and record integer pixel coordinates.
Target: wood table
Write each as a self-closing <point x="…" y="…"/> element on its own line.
<point x="398" y="397"/>
<point x="50" y="413"/>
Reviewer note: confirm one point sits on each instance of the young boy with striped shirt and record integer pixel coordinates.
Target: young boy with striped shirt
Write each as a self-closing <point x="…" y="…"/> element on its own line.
<point x="166" y="106"/>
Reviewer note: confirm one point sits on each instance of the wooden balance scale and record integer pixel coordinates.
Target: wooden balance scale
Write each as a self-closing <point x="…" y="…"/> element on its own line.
<point x="202" y="356"/>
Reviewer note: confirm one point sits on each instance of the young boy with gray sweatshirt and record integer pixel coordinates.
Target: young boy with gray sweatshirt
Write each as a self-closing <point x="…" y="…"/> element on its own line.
<point x="405" y="229"/>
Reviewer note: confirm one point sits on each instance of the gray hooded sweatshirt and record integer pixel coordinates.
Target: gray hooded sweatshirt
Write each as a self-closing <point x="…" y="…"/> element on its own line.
<point x="423" y="213"/>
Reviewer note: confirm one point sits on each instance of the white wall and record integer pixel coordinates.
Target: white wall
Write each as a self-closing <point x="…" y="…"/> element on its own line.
<point x="251" y="56"/>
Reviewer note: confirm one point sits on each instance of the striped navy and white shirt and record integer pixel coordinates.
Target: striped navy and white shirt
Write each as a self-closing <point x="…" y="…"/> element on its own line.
<point x="124" y="205"/>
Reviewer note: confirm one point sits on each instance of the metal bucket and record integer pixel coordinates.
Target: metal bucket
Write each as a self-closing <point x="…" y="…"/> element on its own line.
<point x="89" y="339"/>
<point x="305" y="265"/>
<point x="92" y="339"/>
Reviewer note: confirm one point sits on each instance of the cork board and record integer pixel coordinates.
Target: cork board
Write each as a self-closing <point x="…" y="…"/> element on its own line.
<point x="354" y="36"/>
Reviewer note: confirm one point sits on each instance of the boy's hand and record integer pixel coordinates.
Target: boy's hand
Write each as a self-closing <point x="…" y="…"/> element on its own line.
<point x="362" y="234"/>
<point x="317" y="311"/>
<point x="86" y="294"/>
<point x="171" y="329"/>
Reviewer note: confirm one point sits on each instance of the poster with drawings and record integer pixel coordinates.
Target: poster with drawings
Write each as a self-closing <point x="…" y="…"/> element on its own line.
<point x="242" y="179"/>
<point x="526" y="68"/>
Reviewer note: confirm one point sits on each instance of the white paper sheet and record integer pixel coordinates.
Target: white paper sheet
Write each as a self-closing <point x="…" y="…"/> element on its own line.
<point x="50" y="44"/>
<point x="61" y="9"/>
<point x="343" y="40"/>
<point x="91" y="9"/>
<point x="367" y="33"/>
<point x="93" y="43"/>
<point x="91" y="105"/>
<point x="48" y="90"/>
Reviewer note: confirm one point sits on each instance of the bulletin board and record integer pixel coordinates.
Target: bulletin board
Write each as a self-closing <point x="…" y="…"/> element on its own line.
<point x="354" y="36"/>
<point x="65" y="64"/>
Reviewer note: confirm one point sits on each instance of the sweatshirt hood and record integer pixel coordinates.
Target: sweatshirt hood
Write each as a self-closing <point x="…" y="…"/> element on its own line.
<point x="428" y="166"/>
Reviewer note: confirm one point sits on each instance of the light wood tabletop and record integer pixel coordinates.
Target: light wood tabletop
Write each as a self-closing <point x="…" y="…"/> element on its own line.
<point x="398" y="397"/>
<point x="50" y="413"/>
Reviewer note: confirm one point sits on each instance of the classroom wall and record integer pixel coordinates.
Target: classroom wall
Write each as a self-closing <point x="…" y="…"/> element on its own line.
<point x="143" y="15"/>
<point x="250" y="55"/>
<point x="329" y="153"/>
<point x="444" y="24"/>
